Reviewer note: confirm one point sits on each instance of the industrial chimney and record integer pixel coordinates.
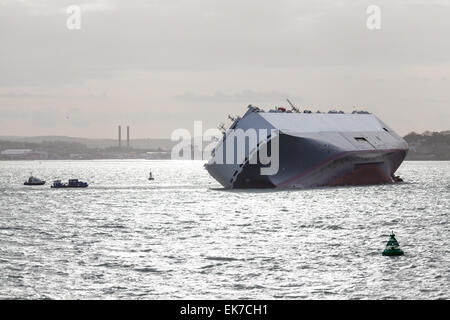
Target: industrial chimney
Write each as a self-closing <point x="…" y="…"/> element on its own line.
<point x="120" y="136"/>
<point x="128" y="137"/>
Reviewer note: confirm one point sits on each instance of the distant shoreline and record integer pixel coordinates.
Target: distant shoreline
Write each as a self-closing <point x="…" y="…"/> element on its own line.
<point x="142" y="159"/>
<point x="428" y="146"/>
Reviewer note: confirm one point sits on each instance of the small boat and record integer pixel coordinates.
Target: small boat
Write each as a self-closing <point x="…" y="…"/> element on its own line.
<point x="393" y="247"/>
<point x="73" y="183"/>
<point x="150" y="177"/>
<point x="33" y="181"/>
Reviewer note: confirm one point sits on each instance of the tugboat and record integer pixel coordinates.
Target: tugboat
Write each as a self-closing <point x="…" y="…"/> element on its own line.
<point x="150" y="176"/>
<point x="73" y="183"/>
<point x="392" y="247"/>
<point x="33" y="181"/>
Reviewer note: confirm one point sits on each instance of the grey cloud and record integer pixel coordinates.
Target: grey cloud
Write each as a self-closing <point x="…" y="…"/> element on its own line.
<point x="246" y="96"/>
<point x="28" y="95"/>
<point x="146" y="53"/>
<point x="200" y="35"/>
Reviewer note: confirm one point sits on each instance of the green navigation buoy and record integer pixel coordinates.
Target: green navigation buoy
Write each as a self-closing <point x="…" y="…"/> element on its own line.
<point x="392" y="247"/>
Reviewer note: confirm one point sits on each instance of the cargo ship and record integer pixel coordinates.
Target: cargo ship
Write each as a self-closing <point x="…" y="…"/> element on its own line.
<point x="314" y="149"/>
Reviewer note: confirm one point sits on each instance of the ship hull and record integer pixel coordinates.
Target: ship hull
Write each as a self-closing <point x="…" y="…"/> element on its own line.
<point x="304" y="165"/>
<point x="34" y="183"/>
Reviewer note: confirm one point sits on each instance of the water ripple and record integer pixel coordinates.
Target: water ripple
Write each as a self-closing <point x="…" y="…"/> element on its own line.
<point x="183" y="236"/>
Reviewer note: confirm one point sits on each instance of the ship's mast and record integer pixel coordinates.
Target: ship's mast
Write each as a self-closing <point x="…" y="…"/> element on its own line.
<point x="292" y="106"/>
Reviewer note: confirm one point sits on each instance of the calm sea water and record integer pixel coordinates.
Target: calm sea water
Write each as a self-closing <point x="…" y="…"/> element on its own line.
<point x="183" y="236"/>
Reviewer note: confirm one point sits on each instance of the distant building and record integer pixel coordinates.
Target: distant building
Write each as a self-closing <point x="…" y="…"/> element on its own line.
<point x="76" y="156"/>
<point x="15" y="152"/>
<point x="23" y="154"/>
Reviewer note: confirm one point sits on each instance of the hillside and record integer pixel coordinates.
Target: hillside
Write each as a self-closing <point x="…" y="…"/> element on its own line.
<point x="425" y="146"/>
<point x="165" y="144"/>
<point x="428" y="145"/>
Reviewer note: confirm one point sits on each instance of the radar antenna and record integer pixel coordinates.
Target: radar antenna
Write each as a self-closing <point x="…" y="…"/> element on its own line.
<point x="292" y="106"/>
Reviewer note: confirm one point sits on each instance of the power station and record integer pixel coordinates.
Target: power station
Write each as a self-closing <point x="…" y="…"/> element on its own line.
<point x="128" y="137"/>
<point x="120" y="136"/>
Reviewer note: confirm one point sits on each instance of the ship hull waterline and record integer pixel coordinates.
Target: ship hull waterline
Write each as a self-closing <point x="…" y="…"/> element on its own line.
<point x="302" y="166"/>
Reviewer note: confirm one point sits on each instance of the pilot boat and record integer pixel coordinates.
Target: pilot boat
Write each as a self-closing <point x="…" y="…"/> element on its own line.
<point x="73" y="183"/>
<point x="33" y="181"/>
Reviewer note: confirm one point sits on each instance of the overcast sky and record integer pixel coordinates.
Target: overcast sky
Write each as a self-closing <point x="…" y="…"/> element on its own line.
<point x="158" y="65"/>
